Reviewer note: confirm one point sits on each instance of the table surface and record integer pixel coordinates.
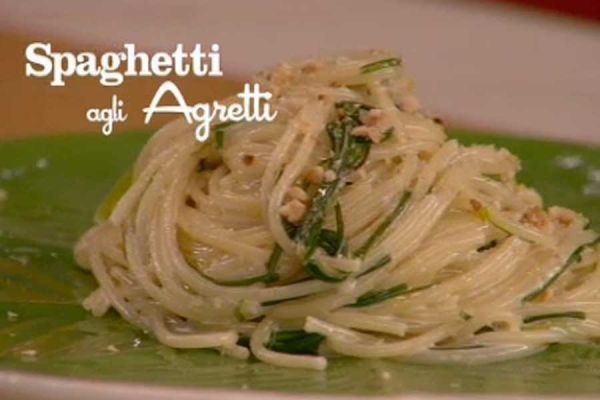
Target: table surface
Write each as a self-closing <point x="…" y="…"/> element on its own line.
<point x="476" y="64"/>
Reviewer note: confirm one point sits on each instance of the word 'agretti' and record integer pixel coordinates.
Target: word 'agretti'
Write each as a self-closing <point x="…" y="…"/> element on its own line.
<point x="253" y="106"/>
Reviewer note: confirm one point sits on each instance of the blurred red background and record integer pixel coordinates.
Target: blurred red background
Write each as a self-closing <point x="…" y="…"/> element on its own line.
<point x="587" y="9"/>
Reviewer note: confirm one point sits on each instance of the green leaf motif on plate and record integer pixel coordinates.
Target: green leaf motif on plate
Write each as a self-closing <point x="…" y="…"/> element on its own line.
<point x="54" y="185"/>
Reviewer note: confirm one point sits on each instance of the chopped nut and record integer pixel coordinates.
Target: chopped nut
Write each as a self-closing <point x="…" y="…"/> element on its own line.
<point x="413" y="183"/>
<point x="248" y="159"/>
<point x="112" y="348"/>
<point x="476" y="205"/>
<point x="190" y="202"/>
<point x="424" y="155"/>
<point x="310" y="67"/>
<point x="373" y="116"/>
<point x="410" y="104"/>
<point x="379" y="119"/>
<point x="282" y="77"/>
<point x="371" y="132"/>
<point x="563" y="216"/>
<point x="357" y="175"/>
<point x="500" y="325"/>
<point x="12" y="316"/>
<point x="546" y="295"/>
<point x="535" y="217"/>
<point x="329" y="176"/>
<point x="315" y="175"/>
<point x="438" y="121"/>
<point x="385" y="375"/>
<point x="283" y="74"/>
<point x="297" y="193"/>
<point x="29" y="353"/>
<point x="564" y="221"/>
<point x="42" y="163"/>
<point x="293" y="211"/>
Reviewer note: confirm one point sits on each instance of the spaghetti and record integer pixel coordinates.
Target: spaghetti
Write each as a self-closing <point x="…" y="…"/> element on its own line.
<point x="349" y="225"/>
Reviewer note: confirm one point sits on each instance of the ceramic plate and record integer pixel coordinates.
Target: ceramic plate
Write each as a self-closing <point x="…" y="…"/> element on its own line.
<point x="50" y="346"/>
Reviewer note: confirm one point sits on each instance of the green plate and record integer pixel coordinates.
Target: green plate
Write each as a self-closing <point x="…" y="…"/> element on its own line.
<point x="54" y="185"/>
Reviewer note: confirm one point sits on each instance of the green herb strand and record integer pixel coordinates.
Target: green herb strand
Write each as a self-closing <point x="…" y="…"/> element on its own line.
<point x="575" y="257"/>
<point x="316" y="271"/>
<point x="488" y="246"/>
<point x="266" y="278"/>
<point x="295" y="342"/>
<point x="273" y="263"/>
<point x="378" y="297"/>
<point x="379" y="65"/>
<point x="385" y="224"/>
<point x="383" y="261"/>
<point x="270" y="277"/>
<point x="331" y="242"/>
<point x="459" y="348"/>
<point x="279" y="301"/>
<point x="220" y="132"/>
<point x="371" y="298"/>
<point x="339" y="220"/>
<point x="350" y="152"/>
<point x="541" y="317"/>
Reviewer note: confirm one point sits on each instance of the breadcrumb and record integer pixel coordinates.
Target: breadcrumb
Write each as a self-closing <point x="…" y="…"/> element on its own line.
<point x="410" y="104"/>
<point x="311" y="67"/>
<point x="29" y="353"/>
<point x="12" y="316"/>
<point x="357" y="175"/>
<point x="424" y="155"/>
<point x="112" y="348"/>
<point x="315" y="175"/>
<point x="477" y="206"/>
<point x="563" y="216"/>
<point x="329" y="176"/>
<point x="293" y="211"/>
<point x="535" y="217"/>
<point x="297" y="193"/>
<point x="546" y="295"/>
<point x="371" y="132"/>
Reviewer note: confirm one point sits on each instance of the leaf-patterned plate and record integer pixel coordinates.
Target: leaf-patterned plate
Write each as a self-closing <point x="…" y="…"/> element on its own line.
<point x="52" y="187"/>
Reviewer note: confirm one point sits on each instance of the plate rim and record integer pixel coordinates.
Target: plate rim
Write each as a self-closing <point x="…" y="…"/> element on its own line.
<point x="19" y="385"/>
